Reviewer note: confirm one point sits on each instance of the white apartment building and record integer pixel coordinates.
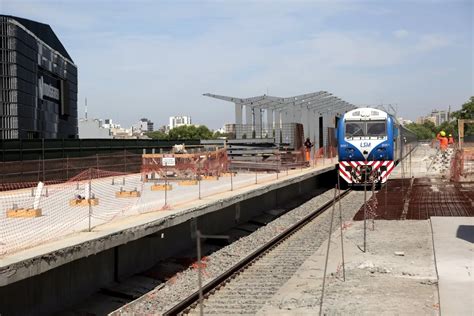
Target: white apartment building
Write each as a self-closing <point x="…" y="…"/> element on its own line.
<point x="176" y="121"/>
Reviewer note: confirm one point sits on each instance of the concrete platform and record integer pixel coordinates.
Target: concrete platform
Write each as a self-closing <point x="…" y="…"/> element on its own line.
<point x="78" y="264"/>
<point x="453" y="239"/>
<point x="396" y="276"/>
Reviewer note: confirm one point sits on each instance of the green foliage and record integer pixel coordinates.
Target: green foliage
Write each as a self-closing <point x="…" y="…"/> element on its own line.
<point x="449" y="128"/>
<point x="218" y="134"/>
<point x="157" y="135"/>
<point x="421" y="130"/>
<point x="467" y="113"/>
<point x="190" y="132"/>
<point x="467" y="110"/>
<point x="430" y="126"/>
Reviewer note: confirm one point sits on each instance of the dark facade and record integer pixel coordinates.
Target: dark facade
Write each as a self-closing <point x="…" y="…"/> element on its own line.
<point x="38" y="82"/>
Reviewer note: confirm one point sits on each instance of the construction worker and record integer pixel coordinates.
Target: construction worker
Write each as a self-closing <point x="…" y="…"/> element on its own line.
<point x="443" y="140"/>
<point x="450" y="139"/>
<point x="308" y="145"/>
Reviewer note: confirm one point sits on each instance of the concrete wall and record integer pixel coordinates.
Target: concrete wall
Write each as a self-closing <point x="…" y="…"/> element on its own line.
<point x="61" y="287"/>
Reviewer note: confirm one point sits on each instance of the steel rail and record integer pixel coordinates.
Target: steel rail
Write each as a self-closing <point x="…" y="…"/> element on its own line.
<point x="221" y="279"/>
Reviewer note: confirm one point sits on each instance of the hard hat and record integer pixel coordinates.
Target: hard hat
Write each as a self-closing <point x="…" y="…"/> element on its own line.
<point x="442" y="133"/>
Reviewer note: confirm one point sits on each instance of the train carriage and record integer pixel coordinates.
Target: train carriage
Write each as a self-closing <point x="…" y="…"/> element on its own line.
<point x="370" y="144"/>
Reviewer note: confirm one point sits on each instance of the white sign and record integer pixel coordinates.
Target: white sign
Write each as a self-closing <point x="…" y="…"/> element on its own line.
<point x="168" y="161"/>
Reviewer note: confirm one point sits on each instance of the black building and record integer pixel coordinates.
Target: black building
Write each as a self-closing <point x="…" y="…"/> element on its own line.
<point x="38" y="82"/>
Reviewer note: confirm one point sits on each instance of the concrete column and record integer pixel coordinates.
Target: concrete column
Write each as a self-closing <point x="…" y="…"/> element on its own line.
<point x="258" y="122"/>
<point x="277" y="126"/>
<point x="269" y="126"/>
<point x="248" y="115"/>
<point x="313" y="127"/>
<point x="238" y="114"/>
<point x="305" y="120"/>
<point x="246" y="128"/>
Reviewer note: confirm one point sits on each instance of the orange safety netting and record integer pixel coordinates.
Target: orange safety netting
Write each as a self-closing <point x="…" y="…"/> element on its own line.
<point x="185" y="166"/>
<point x="462" y="165"/>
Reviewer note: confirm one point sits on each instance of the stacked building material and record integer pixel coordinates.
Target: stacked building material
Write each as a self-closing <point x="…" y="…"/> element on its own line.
<point x="261" y="154"/>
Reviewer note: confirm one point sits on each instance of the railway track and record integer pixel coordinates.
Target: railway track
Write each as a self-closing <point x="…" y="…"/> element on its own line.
<point x="246" y="287"/>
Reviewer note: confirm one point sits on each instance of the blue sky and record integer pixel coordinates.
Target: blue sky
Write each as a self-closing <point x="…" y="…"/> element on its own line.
<point x="156" y="58"/>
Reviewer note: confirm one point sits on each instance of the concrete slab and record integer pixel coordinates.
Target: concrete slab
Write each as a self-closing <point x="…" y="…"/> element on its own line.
<point x="423" y="161"/>
<point x="453" y="239"/>
<point x="378" y="282"/>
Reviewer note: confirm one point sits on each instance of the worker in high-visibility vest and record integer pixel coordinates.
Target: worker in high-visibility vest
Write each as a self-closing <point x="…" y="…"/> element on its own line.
<point x="443" y="140"/>
<point x="450" y="139"/>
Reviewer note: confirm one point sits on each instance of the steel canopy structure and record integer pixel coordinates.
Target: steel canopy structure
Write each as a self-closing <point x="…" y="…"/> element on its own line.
<point x="316" y="111"/>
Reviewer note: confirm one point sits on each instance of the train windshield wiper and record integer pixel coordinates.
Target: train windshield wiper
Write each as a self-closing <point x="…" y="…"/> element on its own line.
<point x="355" y="129"/>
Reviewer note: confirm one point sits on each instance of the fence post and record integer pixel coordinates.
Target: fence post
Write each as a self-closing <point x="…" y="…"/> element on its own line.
<point x="365" y="209"/>
<point x="67" y="167"/>
<point x="327" y="253"/>
<point x="125" y="160"/>
<point x="90" y="197"/>
<point x="42" y="145"/>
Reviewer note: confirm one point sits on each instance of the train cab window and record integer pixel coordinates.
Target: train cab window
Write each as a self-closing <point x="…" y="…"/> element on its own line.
<point x="376" y="128"/>
<point x="355" y="129"/>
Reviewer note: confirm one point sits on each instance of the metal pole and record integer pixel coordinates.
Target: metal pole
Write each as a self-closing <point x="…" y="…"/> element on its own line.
<point x="365" y="209"/>
<point x="255" y="169"/>
<point x="42" y="145"/>
<point x="89" y="197"/>
<point x="166" y="187"/>
<point x="410" y="163"/>
<point x="278" y="165"/>
<point x="39" y="168"/>
<point x="199" y="185"/>
<point x="67" y="167"/>
<point x="373" y="198"/>
<point x="386" y="189"/>
<point x="342" y="228"/>
<point x="125" y="160"/>
<point x="327" y="253"/>
<point x="198" y="241"/>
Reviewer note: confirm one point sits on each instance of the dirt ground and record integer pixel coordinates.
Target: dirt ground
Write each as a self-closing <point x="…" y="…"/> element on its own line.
<point x="395" y="276"/>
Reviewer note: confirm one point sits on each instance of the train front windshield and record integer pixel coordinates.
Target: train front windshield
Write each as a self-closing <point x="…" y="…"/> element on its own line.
<point x="365" y="129"/>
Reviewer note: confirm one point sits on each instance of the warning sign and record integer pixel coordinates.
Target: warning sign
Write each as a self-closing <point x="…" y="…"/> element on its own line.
<point x="168" y="161"/>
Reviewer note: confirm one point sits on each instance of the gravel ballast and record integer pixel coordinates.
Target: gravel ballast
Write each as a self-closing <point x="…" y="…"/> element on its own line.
<point x="185" y="283"/>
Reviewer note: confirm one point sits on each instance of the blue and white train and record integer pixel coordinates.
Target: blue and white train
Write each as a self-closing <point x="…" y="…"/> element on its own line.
<point x="370" y="144"/>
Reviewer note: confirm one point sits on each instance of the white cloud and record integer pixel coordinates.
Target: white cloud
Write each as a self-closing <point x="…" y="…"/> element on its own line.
<point x="401" y="33"/>
<point x="429" y="42"/>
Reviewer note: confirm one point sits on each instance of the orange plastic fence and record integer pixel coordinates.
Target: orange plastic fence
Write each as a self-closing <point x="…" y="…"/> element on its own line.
<point x="186" y="166"/>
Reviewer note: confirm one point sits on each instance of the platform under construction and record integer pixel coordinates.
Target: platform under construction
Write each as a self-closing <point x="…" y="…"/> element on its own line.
<point x="101" y="226"/>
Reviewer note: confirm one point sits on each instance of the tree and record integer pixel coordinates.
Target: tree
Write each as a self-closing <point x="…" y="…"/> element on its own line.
<point x="218" y="134"/>
<point x="422" y="131"/>
<point x="157" y="135"/>
<point x="467" y="113"/>
<point x="190" y="132"/>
